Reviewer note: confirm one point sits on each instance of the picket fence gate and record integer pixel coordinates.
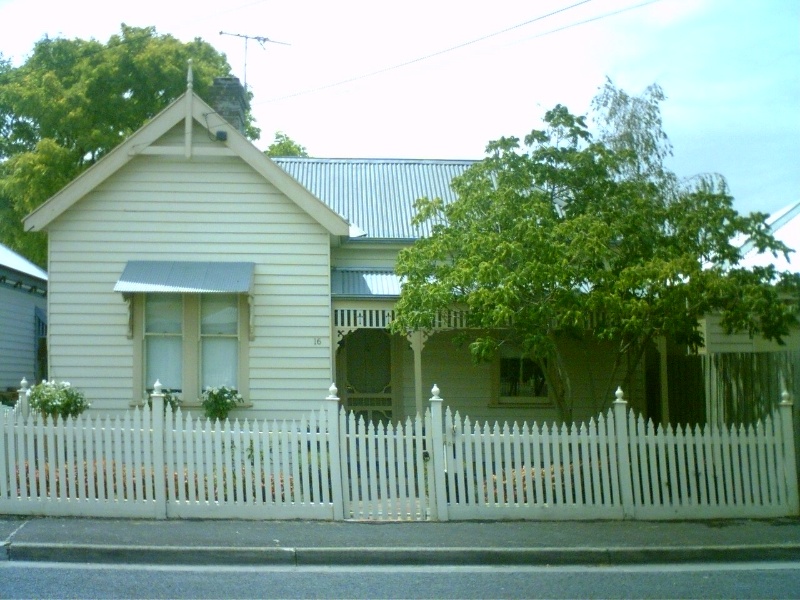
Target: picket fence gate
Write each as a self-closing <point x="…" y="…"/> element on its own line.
<point x="152" y="463"/>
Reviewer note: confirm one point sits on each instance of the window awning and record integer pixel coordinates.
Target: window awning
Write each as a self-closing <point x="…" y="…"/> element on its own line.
<point x="186" y="277"/>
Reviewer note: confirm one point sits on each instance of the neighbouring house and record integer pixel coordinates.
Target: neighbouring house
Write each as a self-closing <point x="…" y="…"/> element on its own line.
<point x="785" y="226"/>
<point x="23" y="321"/>
<point x="187" y="255"/>
<point x="735" y="377"/>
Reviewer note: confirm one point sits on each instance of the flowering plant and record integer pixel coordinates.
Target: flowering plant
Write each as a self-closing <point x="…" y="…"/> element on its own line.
<point x="171" y="399"/>
<point x="219" y="401"/>
<point x="53" y="399"/>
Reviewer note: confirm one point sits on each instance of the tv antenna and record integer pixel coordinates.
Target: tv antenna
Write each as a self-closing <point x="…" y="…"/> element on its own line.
<point x="258" y="38"/>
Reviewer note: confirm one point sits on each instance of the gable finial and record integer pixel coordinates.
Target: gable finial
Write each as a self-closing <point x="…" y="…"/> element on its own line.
<point x="189" y="76"/>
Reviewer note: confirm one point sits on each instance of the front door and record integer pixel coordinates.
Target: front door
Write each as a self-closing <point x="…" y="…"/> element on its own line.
<point x="364" y="364"/>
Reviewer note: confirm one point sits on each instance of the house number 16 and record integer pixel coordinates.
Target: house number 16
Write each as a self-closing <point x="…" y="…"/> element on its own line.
<point x="318" y="341"/>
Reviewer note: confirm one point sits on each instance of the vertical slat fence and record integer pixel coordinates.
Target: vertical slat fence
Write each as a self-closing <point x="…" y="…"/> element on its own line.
<point x="330" y="464"/>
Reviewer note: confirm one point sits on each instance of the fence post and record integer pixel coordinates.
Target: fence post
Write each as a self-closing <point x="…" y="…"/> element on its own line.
<point x="335" y="452"/>
<point x="159" y="473"/>
<point x="22" y="406"/>
<point x="623" y="454"/>
<point x="439" y="467"/>
<point x="789" y="456"/>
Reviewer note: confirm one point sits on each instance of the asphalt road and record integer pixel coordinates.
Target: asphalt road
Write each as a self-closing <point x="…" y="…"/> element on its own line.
<point x="729" y="580"/>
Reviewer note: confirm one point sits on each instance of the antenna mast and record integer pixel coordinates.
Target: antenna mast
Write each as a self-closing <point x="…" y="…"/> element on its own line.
<point x="259" y="38"/>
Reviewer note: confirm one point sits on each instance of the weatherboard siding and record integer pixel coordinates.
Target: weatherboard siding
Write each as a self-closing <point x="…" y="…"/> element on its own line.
<point x="18" y="335"/>
<point x="467" y="387"/>
<point x="365" y="255"/>
<point x="203" y="209"/>
<point x="717" y="340"/>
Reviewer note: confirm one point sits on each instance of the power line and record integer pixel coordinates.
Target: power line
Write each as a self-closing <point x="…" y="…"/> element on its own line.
<point x="463" y="45"/>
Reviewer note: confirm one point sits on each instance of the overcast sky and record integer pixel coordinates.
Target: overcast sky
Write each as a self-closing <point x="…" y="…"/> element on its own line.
<point x="440" y="78"/>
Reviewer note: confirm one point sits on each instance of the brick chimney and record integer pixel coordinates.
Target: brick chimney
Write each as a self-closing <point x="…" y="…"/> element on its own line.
<point x="229" y="100"/>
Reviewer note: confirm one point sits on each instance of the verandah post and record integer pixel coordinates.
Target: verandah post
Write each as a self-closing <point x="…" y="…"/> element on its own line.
<point x="334" y="452"/>
<point x="789" y="455"/>
<point x="439" y="467"/>
<point x="623" y="454"/>
<point x="159" y="474"/>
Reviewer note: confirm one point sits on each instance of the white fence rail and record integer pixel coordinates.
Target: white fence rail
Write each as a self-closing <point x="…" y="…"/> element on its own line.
<point x="438" y="466"/>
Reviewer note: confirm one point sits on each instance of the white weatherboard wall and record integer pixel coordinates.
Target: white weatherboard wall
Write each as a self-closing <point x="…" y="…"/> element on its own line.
<point x="200" y="209"/>
<point x="471" y="385"/>
<point x="366" y="254"/>
<point x="717" y="340"/>
<point x="18" y="335"/>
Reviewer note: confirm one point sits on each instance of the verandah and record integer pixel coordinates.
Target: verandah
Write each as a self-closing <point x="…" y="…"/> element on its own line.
<point x="438" y="466"/>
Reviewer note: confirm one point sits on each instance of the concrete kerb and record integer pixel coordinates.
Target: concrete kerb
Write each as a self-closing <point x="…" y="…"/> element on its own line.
<point x="408" y="556"/>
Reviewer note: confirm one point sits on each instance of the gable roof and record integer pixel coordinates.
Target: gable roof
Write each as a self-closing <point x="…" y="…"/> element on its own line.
<point x="376" y="195"/>
<point x="188" y="107"/>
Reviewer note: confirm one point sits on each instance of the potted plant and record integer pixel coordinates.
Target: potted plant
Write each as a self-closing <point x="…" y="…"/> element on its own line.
<point x="217" y="402"/>
<point x="52" y="399"/>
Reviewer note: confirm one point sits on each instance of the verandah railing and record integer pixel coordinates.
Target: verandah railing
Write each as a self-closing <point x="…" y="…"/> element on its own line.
<point x="332" y="465"/>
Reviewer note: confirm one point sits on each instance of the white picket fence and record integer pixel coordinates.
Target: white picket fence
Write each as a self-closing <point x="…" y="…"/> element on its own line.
<point x="153" y="463"/>
<point x="619" y="466"/>
<point x="438" y="466"/>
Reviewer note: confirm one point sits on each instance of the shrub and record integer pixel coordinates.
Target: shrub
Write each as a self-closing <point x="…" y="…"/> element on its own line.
<point x="53" y="399"/>
<point x="171" y="400"/>
<point x="219" y="401"/>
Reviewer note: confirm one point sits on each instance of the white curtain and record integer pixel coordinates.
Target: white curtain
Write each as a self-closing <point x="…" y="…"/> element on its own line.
<point x="163" y="325"/>
<point x="219" y="328"/>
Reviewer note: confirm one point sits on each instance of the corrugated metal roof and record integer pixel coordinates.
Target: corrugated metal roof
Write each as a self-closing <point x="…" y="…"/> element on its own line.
<point x="186" y="277"/>
<point x="363" y="283"/>
<point x="376" y="195"/>
<point x="12" y="260"/>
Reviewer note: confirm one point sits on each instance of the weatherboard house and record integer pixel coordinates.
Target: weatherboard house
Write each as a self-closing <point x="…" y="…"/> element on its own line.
<point x="188" y="256"/>
<point x="23" y="320"/>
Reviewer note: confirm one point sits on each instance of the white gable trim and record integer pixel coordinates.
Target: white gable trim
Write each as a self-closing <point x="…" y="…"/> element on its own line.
<point x="263" y="165"/>
<point x="147" y="135"/>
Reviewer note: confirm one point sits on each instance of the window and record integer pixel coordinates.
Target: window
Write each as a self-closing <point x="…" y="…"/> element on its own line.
<point x="192" y="341"/>
<point x="163" y="340"/>
<point x="520" y="382"/>
<point x="219" y="340"/>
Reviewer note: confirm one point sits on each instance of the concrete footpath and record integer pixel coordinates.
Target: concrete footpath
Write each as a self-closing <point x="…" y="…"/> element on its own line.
<point x="305" y="543"/>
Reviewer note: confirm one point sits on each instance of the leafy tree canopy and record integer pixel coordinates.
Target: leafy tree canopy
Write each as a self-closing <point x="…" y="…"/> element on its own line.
<point x="572" y="235"/>
<point x="74" y="100"/>
<point x="285" y="146"/>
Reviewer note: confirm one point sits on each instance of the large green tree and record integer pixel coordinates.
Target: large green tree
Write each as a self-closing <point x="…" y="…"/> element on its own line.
<point x="568" y="235"/>
<point x="283" y="145"/>
<point x="74" y="100"/>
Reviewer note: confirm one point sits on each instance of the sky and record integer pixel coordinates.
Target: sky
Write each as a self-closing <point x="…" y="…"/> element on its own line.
<point x="441" y="78"/>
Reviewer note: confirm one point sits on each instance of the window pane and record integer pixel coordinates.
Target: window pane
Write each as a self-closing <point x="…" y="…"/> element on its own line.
<point x="163" y="313"/>
<point x="532" y="382"/>
<point x="509" y="376"/>
<point x="220" y="315"/>
<point x="522" y="378"/>
<point x="164" y="360"/>
<point x="220" y="362"/>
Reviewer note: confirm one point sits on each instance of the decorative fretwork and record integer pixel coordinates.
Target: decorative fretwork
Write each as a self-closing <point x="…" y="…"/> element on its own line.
<point x="349" y="319"/>
<point x="346" y="320"/>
